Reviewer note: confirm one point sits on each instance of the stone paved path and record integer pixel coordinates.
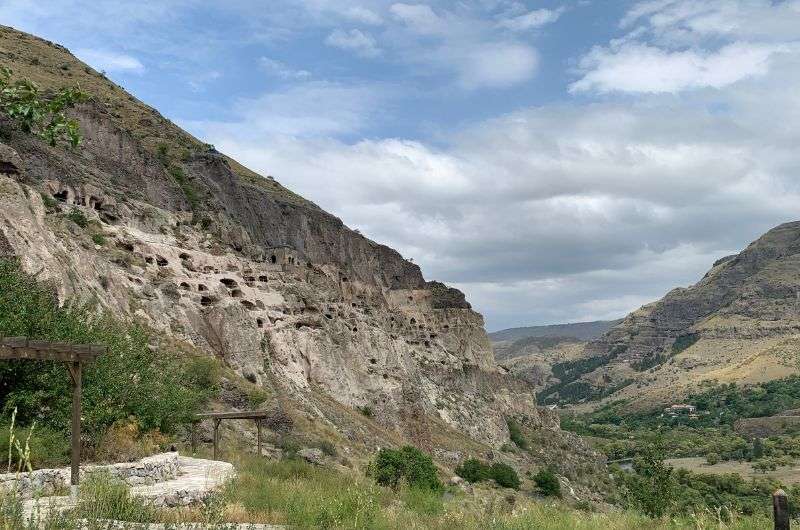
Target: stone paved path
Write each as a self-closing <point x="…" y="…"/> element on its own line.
<point x="197" y="478"/>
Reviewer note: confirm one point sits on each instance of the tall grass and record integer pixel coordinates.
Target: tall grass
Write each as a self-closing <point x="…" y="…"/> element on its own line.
<point x="303" y="496"/>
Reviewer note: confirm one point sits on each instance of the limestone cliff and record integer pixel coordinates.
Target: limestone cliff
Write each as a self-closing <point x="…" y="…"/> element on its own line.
<point x="210" y="254"/>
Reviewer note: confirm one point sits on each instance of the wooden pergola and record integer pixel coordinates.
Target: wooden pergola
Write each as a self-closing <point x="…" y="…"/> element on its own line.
<point x="75" y="355"/>
<point x="217" y="417"/>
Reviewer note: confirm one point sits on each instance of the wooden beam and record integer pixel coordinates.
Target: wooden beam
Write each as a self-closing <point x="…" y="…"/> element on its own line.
<point x="258" y="436"/>
<point x="16" y="348"/>
<point x="194" y="438"/>
<point x="239" y="415"/>
<point x="76" y="373"/>
<point x="216" y="437"/>
<point x="780" y="510"/>
<point x="24" y="348"/>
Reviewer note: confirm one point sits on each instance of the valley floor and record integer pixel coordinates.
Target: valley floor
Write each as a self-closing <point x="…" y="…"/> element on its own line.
<point x="787" y="475"/>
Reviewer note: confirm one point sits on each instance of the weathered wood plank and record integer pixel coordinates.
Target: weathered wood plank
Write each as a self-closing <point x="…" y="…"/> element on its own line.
<point x="23" y="348"/>
<point x="239" y="415"/>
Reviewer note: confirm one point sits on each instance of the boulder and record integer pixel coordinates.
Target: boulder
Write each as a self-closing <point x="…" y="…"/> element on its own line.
<point x="312" y="456"/>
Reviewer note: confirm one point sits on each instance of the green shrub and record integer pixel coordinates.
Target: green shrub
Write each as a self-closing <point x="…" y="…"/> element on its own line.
<point x="366" y="410"/>
<point x="515" y="433"/>
<point x="505" y="475"/>
<point x="99" y="239"/>
<point x="162" y="153"/>
<point x="547" y="482"/>
<point x="185" y="185"/>
<point x="78" y="217"/>
<point x="21" y="101"/>
<point x="160" y="389"/>
<point x="48" y="447"/>
<point x="407" y="463"/>
<point x="473" y="470"/>
<point x="49" y="202"/>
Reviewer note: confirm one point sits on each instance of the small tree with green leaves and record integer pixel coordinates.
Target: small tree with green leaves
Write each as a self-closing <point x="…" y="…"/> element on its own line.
<point x="548" y="483"/>
<point x="407" y="463"/>
<point x="22" y="101"/>
<point x="653" y="487"/>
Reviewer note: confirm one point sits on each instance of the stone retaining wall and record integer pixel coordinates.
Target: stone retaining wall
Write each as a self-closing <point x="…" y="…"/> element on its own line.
<point x="48" y="482"/>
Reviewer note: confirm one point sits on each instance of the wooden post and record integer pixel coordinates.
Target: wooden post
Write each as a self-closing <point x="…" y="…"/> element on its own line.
<point x="216" y="436"/>
<point x="75" y="372"/>
<point x="780" y="510"/>
<point x="258" y="435"/>
<point x="193" y="439"/>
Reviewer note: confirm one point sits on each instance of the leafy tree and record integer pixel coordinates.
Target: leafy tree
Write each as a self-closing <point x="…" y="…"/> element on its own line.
<point x="758" y="449"/>
<point x="160" y="389"/>
<point x="548" y="483"/>
<point x="652" y="488"/>
<point x="22" y="101"/>
<point x="407" y="463"/>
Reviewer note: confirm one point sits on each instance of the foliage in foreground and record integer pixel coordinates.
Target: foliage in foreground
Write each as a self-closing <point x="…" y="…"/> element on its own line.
<point x="156" y="390"/>
<point x="299" y="495"/>
<point x="22" y="101"/>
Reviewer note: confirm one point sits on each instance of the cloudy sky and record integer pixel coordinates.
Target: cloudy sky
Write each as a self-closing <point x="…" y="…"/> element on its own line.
<point x="558" y="160"/>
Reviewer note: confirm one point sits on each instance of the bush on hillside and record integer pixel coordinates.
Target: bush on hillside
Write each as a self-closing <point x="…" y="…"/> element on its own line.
<point x="78" y="217"/>
<point x="473" y="470"/>
<point x="409" y="464"/>
<point x="505" y="475"/>
<point x="159" y="389"/>
<point x="515" y="433"/>
<point x="547" y="482"/>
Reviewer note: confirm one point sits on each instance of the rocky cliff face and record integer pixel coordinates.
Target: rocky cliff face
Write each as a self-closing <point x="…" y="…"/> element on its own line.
<point x="738" y="323"/>
<point x="212" y="255"/>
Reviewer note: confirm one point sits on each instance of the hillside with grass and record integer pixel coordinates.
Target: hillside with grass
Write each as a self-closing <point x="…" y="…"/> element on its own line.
<point x="738" y="324"/>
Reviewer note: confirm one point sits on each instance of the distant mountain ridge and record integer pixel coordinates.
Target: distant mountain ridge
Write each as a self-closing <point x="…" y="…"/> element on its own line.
<point x="583" y="331"/>
<point x="739" y="323"/>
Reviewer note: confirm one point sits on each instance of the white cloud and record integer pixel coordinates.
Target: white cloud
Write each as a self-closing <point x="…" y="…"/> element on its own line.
<point x="531" y="20"/>
<point x="498" y="65"/>
<point x="110" y="61"/>
<point x="679" y="45"/>
<point x="678" y="20"/>
<point x="282" y="70"/>
<point x="419" y="18"/>
<point x="363" y="15"/>
<point x="637" y="67"/>
<point x="354" y="40"/>
<point x="307" y="110"/>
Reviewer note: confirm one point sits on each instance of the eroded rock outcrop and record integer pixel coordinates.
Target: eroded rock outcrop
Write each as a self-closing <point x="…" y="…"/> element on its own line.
<point x="156" y="226"/>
